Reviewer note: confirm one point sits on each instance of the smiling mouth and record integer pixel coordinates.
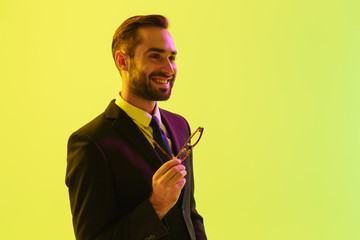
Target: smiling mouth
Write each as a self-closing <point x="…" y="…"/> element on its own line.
<point x="161" y="80"/>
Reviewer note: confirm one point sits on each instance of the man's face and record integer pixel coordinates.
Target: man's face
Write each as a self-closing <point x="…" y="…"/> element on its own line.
<point x="152" y="70"/>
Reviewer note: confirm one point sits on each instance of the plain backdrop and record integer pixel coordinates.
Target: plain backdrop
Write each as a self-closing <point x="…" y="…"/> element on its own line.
<point x="275" y="84"/>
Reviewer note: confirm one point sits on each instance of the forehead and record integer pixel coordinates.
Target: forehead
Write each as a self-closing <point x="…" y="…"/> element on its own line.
<point x="155" y="37"/>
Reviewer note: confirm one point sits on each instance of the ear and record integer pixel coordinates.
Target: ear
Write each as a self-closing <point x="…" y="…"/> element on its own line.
<point x="121" y="61"/>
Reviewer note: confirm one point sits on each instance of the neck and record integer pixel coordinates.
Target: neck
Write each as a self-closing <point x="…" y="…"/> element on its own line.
<point x="139" y="102"/>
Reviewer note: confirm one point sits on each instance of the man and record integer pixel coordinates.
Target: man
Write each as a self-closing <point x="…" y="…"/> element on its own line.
<point x="120" y="185"/>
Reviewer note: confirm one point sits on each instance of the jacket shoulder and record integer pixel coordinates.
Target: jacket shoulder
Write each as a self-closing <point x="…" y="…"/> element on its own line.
<point x="101" y="124"/>
<point x="173" y="117"/>
<point x="95" y="126"/>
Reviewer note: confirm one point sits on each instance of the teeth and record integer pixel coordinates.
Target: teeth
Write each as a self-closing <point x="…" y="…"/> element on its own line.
<point x="161" y="81"/>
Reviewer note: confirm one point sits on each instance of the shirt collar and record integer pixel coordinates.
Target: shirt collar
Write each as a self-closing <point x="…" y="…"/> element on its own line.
<point x="137" y="114"/>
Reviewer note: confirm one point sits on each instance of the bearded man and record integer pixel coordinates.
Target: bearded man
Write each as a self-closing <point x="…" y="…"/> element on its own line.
<point x="121" y="186"/>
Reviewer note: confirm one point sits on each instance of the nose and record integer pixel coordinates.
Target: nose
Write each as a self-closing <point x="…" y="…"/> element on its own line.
<point x="169" y="67"/>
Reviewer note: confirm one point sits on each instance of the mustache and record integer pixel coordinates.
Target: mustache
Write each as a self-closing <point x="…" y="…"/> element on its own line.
<point x="160" y="74"/>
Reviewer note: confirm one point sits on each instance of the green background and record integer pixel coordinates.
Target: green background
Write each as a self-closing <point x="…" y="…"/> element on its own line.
<point x="275" y="84"/>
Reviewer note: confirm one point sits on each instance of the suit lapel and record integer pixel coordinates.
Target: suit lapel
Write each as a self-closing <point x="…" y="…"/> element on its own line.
<point x="126" y="126"/>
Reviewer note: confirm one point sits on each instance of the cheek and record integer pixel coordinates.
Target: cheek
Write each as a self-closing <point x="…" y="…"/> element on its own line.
<point x="147" y="70"/>
<point x="143" y="72"/>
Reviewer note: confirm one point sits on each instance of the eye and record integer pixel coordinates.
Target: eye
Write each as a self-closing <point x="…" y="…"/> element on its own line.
<point x="172" y="58"/>
<point x="155" y="56"/>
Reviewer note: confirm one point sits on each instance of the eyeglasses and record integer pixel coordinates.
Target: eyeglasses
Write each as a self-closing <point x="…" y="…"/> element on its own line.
<point x="186" y="149"/>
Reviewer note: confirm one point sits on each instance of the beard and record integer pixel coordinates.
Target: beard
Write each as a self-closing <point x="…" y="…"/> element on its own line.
<point x="140" y="84"/>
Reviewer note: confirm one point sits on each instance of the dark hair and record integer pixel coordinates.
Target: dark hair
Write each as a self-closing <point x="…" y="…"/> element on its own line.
<point x="127" y="34"/>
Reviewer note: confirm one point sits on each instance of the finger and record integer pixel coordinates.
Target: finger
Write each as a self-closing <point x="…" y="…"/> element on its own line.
<point x="175" y="174"/>
<point x="172" y="176"/>
<point x="166" y="166"/>
<point x="180" y="184"/>
<point x="173" y="170"/>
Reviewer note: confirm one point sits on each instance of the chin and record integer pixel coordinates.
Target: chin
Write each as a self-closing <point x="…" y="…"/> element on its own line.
<point x="162" y="98"/>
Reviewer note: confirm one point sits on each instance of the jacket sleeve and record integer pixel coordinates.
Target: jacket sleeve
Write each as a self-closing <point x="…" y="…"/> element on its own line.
<point x="93" y="199"/>
<point x="197" y="221"/>
<point x="196" y="218"/>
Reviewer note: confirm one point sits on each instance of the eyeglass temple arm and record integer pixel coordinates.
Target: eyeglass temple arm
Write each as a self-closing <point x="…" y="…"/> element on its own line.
<point x="201" y="129"/>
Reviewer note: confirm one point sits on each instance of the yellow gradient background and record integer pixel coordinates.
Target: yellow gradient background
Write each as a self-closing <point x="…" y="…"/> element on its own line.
<point x="275" y="84"/>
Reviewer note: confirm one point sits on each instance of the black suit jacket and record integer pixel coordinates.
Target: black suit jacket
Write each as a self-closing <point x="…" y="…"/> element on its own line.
<point x="109" y="173"/>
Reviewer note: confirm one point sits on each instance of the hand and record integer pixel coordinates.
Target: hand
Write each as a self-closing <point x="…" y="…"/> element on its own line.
<point x="167" y="183"/>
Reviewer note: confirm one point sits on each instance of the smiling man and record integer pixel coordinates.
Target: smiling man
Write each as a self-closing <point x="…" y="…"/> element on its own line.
<point x="123" y="183"/>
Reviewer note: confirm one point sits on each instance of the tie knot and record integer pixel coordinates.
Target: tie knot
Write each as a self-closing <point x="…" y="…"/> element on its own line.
<point x="154" y="122"/>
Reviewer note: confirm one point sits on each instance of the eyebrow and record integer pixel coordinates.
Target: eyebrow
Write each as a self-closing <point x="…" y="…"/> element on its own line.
<point x="160" y="50"/>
